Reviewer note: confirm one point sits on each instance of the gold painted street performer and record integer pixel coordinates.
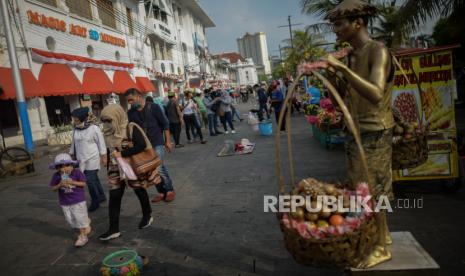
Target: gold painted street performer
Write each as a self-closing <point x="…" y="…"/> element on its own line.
<point x="368" y="78"/>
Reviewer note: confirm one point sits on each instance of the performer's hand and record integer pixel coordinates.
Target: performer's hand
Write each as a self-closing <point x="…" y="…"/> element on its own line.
<point x="334" y="63"/>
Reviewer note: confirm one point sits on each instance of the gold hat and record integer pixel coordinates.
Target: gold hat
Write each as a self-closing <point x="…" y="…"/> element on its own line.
<point x="351" y="8"/>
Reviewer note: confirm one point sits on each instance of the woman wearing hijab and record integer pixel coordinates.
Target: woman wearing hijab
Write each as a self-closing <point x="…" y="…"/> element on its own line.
<point x="116" y="131"/>
<point x="88" y="146"/>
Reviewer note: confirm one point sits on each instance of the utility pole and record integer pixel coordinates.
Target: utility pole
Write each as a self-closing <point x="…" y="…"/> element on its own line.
<point x="22" y="106"/>
<point x="289" y="25"/>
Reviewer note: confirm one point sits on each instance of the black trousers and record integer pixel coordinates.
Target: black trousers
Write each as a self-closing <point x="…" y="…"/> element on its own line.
<point x="192" y="126"/>
<point x="277" y="114"/>
<point x="114" y="206"/>
<point x="175" y="129"/>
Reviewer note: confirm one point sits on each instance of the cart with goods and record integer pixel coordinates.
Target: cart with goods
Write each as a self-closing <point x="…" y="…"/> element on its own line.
<point x="326" y="123"/>
<point x="325" y="237"/>
<point x="425" y="136"/>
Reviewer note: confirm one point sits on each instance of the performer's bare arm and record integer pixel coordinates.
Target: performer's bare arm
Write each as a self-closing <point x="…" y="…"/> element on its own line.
<point x="373" y="88"/>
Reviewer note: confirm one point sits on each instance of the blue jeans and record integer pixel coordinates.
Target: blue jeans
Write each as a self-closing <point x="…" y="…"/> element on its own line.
<point x="95" y="187"/>
<point x="212" y="124"/>
<point x="167" y="184"/>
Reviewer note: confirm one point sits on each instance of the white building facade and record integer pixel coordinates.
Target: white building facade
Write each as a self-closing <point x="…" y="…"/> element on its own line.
<point x="246" y="72"/>
<point x="254" y="46"/>
<point x="81" y="53"/>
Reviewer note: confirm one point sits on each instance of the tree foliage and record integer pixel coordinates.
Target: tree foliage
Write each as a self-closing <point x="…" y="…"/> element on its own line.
<point x="305" y="47"/>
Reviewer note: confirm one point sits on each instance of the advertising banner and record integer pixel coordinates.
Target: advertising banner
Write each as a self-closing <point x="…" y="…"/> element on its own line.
<point x="431" y="105"/>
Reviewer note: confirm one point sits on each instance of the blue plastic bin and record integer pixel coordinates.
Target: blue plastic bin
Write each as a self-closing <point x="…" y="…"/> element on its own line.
<point x="266" y="128"/>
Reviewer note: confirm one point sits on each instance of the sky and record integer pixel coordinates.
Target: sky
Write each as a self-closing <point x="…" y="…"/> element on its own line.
<point x="233" y="18"/>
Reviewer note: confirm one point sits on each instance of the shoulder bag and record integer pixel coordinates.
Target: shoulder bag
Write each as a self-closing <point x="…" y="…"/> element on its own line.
<point x="146" y="161"/>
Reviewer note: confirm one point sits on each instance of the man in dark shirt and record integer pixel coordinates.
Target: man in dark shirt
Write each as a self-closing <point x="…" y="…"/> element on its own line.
<point x="262" y="100"/>
<point x="174" y="114"/>
<point x="150" y="117"/>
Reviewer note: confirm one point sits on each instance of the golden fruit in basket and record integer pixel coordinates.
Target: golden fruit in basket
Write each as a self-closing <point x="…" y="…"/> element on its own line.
<point x="330" y="189"/>
<point x="311" y="216"/>
<point x="325" y="212"/>
<point x="322" y="223"/>
<point x="310" y="225"/>
<point x="336" y="220"/>
<point x="299" y="214"/>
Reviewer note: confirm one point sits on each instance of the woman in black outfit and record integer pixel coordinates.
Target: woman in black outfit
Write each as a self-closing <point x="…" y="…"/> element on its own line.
<point x="116" y="132"/>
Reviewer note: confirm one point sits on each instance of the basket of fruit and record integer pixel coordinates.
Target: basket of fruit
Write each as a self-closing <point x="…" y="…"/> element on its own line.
<point x="410" y="144"/>
<point x="317" y="235"/>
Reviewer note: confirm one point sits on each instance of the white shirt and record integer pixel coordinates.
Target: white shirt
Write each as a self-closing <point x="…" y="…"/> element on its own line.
<point x="189" y="108"/>
<point x="89" y="144"/>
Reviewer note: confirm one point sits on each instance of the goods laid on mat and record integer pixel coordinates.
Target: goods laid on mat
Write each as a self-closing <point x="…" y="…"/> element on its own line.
<point x="410" y="145"/>
<point x="123" y="262"/>
<point x="232" y="148"/>
<point x="319" y="236"/>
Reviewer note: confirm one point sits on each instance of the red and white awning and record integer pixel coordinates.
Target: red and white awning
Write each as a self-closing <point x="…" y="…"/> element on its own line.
<point x="78" y="61"/>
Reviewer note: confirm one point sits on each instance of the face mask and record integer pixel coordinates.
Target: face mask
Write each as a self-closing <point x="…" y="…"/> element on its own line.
<point x="135" y="106"/>
<point x="78" y="125"/>
<point x="108" y="129"/>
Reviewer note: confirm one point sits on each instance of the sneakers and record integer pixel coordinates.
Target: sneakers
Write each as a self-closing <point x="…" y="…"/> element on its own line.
<point x="170" y="196"/>
<point x="179" y="146"/>
<point x="213" y="134"/>
<point x="145" y="222"/>
<point x="226" y="132"/>
<point x="218" y="132"/>
<point x="109" y="235"/>
<point x="203" y="142"/>
<point x="81" y="241"/>
<point x="233" y="131"/>
<point x="158" y="198"/>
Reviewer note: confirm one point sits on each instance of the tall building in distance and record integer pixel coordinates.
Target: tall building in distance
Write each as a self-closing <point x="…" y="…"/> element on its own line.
<point x="254" y="46"/>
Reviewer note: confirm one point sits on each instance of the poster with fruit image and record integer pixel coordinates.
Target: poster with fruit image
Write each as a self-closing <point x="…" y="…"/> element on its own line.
<point x="423" y="93"/>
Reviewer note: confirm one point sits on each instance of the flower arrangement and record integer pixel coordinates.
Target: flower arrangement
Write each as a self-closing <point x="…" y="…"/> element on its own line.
<point x="324" y="116"/>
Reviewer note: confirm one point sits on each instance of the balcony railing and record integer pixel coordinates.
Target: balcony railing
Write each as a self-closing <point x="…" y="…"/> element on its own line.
<point x="161" y="30"/>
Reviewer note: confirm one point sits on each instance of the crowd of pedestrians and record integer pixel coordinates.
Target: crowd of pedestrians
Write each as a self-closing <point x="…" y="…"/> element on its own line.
<point x="148" y="124"/>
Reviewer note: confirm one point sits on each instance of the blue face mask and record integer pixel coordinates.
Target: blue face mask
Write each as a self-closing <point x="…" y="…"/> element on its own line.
<point x="135" y="106"/>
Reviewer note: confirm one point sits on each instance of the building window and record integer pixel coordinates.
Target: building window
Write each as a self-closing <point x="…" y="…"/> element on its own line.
<point x="184" y="53"/>
<point x="172" y="68"/>
<point x="80" y="7"/>
<point x="117" y="55"/>
<point x="50" y="42"/>
<point x="180" y="16"/>
<point x="106" y="12"/>
<point x="129" y="19"/>
<point x="49" y="2"/>
<point x="164" y="17"/>
<point x="90" y="51"/>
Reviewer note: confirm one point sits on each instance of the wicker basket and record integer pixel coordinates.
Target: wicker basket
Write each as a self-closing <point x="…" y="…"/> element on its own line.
<point x="410" y="154"/>
<point x="342" y="250"/>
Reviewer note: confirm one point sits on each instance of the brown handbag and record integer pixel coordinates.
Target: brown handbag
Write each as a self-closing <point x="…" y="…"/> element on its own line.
<point x="146" y="161"/>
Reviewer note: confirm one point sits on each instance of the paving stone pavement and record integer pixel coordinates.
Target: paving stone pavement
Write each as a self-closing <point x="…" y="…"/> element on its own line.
<point x="216" y="225"/>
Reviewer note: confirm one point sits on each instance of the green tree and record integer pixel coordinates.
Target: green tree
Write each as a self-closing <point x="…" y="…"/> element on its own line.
<point x="306" y="47"/>
<point x="451" y="30"/>
<point x="414" y="13"/>
<point x="386" y="26"/>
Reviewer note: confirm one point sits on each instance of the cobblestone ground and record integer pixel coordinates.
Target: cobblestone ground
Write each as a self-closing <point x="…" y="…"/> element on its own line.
<point x="216" y="225"/>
